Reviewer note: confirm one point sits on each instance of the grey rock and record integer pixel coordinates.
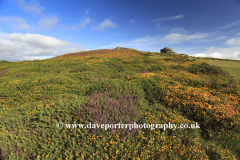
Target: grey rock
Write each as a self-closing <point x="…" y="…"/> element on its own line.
<point x="167" y="50"/>
<point x="119" y="47"/>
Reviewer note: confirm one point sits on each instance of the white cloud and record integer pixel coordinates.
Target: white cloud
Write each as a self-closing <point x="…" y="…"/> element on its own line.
<point x="179" y="30"/>
<point x="221" y="53"/>
<point x="169" y="18"/>
<point x="178" y="16"/>
<point x="210" y="49"/>
<point x="158" y="26"/>
<point x="17" y="46"/>
<point x="238" y="34"/>
<point x="145" y="41"/>
<point x="16" y="22"/>
<point x="179" y="38"/>
<point x="107" y="23"/>
<point x="31" y="7"/>
<point x="132" y="21"/>
<point x="157" y="40"/>
<point x="233" y="24"/>
<point x="84" y="23"/>
<point x="200" y="55"/>
<point x="37" y="40"/>
<point x="233" y="41"/>
<point x="48" y="23"/>
<point x="220" y="38"/>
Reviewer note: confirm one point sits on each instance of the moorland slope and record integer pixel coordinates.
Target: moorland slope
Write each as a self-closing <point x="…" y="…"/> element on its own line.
<point x="120" y="86"/>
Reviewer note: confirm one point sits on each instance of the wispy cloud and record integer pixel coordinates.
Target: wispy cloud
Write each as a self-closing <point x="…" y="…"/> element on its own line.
<point x="179" y="38"/>
<point x="233" y="42"/>
<point x="233" y="24"/>
<point x="84" y="22"/>
<point x="158" y="26"/>
<point x="171" y="38"/>
<point x="179" y="30"/>
<point x="132" y="21"/>
<point x="17" y="46"/>
<point x="16" y="22"/>
<point x="136" y="43"/>
<point x="238" y="34"/>
<point x="86" y="11"/>
<point x="145" y="41"/>
<point x="107" y="23"/>
<point x="210" y="48"/>
<point x="220" y="38"/>
<point x="48" y="23"/>
<point x="30" y="7"/>
<point x="169" y="18"/>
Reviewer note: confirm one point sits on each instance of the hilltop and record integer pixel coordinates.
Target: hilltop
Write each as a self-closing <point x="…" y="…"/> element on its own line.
<point x="121" y="85"/>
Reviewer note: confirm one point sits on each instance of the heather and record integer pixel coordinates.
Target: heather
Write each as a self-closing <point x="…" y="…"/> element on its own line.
<point x="118" y="86"/>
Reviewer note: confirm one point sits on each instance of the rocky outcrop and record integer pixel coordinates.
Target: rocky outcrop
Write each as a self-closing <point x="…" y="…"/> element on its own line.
<point x="119" y="47"/>
<point x="167" y="50"/>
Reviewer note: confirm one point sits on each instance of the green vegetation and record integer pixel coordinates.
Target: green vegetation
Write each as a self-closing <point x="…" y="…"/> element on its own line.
<point x="230" y="66"/>
<point x="119" y="86"/>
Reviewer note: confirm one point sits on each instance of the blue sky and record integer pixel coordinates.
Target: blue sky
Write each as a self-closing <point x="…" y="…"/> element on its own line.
<point x="40" y="29"/>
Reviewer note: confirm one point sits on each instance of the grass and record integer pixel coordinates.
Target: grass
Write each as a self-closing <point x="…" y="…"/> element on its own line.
<point x="231" y="66"/>
<point x="119" y="86"/>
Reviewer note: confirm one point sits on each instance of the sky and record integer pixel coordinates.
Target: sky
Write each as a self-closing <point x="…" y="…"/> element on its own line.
<point x="41" y="29"/>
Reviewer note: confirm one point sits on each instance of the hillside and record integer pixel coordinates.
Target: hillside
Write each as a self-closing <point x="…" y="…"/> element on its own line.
<point x="112" y="86"/>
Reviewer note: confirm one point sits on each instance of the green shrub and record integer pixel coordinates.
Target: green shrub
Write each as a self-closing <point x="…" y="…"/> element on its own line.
<point x="93" y="58"/>
<point x="151" y="61"/>
<point x="80" y="68"/>
<point x="3" y="61"/>
<point x="206" y="69"/>
<point x="157" y="67"/>
<point x="170" y="59"/>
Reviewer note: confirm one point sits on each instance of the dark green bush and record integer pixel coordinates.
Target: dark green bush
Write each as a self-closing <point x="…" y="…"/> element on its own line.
<point x="157" y="67"/>
<point x="80" y="68"/>
<point x="3" y="61"/>
<point x="150" y="61"/>
<point x="170" y="59"/>
<point x="116" y="66"/>
<point x="178" y="67"/>
<point x="206" y="69"/>
<point x="93" y="58"/>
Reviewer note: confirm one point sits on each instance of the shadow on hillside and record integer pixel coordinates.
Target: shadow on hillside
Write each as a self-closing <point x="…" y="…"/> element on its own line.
<point x="1" y="157"/>
<point x="238" y="153"/>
